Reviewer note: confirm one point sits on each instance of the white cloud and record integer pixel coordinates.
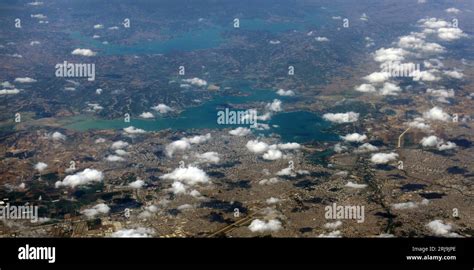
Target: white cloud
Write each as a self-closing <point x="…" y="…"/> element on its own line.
<point x="100" y="208"/>
<point x="419" y="123"/>
<point x="447" y="146"/>
<point x="366" y="147"/>
<point x="436" y="113"/>
<point x="286" y="172"/>
<point x="390" y="89"/>
<point x="258" y="225"/>
<point x="133" y="130"/>
<point x="272" y="200"/>
<point x="321" y="39"/>
<point x="355" y="185"/>
<point x="333" y="225"/>
<point x="147" y="115"/>
<point x="275" y="106"/>
<point x="413" y="42"/>
<point x="162" y="108"/>
<point x="431" y="141"/>
<point x="240" y="131"/>
<point x="365" y="88"/>
<point x="433" y="23"/>
<point x="25" y="80"/>
<point x="450" y="34"/>
<point x="196" y="81"/>
<point x="98" y="26"/>
<point x="377" y="77"/>
<point x="270" y="181"/>
<point x="40" y="166"/>
<point x="119" y="145"/>
<point x="133" y="233"/>
<point x="121" y="152"/>
<point x="452" y="10"/>
<point x="289" y="146"/>
<point x="180" y="145"/>
<point x="333" y="234"/>
<point x="405" y="205"/>
<point x="114" y="158"/>
<point x="454" y="74"/>
<point x="81" y="178"/>
<point x="9" y="91"/>
<point x="83" y="52"/>
<point x="441" y="229"/>
<point x="383" y="158"/>
<point x="364" y="17"/>
<point x="257" y="147"/>
<point x="273" y="154"/>
<point x="208" y="157"/>
<point x="100" y="140"/>
<point x="339" y="118"/>
<point x="58" y="136"/>
<point x="38" y="16"/>
<point x="137" y="184"/>
<point x="390" y="54"/>
<point x="425" y="75"/>
<point x="287" y="93"/>
<point x="339" y="148"/>
<point x="190" y="175"/>
<point x="35" y="3"/>
<point x="178" y="188"/>
<point x="354" y="137"/>
<point x="199" y="138"/>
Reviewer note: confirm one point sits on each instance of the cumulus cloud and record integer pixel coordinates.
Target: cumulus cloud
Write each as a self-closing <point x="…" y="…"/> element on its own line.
<point x="383" y="158"/>
<point x="9" y="91"/>
<point x="275" y="106"/>
<point x="377" y="77"/>
<point x="453" y="74"/>
<point x="366" y="147"/>
<point x="425" y="75"/>
<point x="413" y="42"/>
<point x="285" y="93"/>
<point x="441" y="229"/>
<point x="83" y="52"/>
<point x="178" y="188"/>
<point x="98" y="26"/>
<point x="100" y="208"/>
<point x="114" y="158"/>
<point x="270" y="181"/>
<point x="196" y="81"/>
<point x="354" y="137"/>
<point x="40" y="166"/>
<point x="431" y="141"/>
<point x="419" y="123"/>
<point x="272" y="200"/>
<point x="365" y="88"/>
<point x="450" y="34"/>
<point x="339" y="148"/>
<point x="452" y="10"/>
<point x="273" y="154"/>
<point x="348" y="117"/>
<point x="390" y="55"/>
<point x="240" y="131"/>
<point x="355" y="185"/>
<point x="58" y="136"/>
<point x="137" y="184"/>
<point x="208" y="157"/>
<point x="260" y="226"/>
<point x="256" y="146"/>
<point x="321" y="39"/>
<point x="189" y="175"/>
<point x="436" y="113"/>
<point x="133" y="130"/>
<point x="119" y="145"/>
<point x="85" y="177"/>
<point x="162" y="108"/>
<point x="147" y="115"/>
<point x="441" y="94"/>
<point x="447" y="146"/>
<point x="25" y="80"/>
<point x="139" y="232"/>
<point x="333" y="225"/>
<point x="289" y="146"/>
<point x="390" y="89"/>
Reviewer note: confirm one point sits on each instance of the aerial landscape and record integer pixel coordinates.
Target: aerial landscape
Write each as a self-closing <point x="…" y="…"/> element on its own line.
<point x="268" y="118"/>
